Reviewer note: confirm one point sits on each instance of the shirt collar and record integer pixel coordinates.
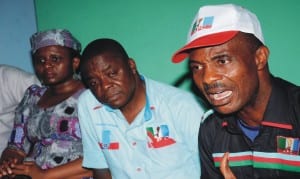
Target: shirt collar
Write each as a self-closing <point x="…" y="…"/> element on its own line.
<point x="278" y="111"/>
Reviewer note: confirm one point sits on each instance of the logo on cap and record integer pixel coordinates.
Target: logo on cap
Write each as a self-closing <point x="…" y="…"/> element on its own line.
<point x="202" y="23"/>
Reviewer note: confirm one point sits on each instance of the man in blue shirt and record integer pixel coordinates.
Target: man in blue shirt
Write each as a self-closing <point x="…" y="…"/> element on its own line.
<point x="132" y="126"/>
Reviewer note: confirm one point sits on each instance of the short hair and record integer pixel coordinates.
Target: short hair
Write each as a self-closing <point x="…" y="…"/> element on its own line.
<point x="100" y="46"/>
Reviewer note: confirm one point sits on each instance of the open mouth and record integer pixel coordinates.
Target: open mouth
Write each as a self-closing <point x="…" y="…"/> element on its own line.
<point x="220" y="96"/>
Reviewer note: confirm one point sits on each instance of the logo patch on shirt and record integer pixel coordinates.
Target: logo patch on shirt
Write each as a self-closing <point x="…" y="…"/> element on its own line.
<point x="106" y="141"/>
<point x="159" y="136"/>
<point x="288" y="145"/>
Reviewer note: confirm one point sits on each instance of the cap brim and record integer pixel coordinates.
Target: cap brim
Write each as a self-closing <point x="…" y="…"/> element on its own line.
<point x="208" y="40"/>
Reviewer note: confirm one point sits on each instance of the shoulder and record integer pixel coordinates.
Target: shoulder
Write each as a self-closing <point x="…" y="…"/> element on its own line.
<point x="31" y="97"/>
<point x="11" y="71"/>
<point x="292" y="90"/>
<point x="165" y="91"/>
<point x="86" y="97"/>
<point x="211" y="120"/>
<point x="294" y="96"/>
<point x="6" y="70"/>
<point x="34" y="92"/>
<point x="212" y="127"/>
<point x="14" y="77"/>
<point x="175" y="99"/>
<point x="85" y="94"/>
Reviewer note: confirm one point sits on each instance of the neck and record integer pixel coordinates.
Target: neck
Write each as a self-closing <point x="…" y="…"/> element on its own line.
<point x="57" y="93"/>
<point x="137" y="103"/>
<point x="253" y="113"/>
<point x="66" y="87"/>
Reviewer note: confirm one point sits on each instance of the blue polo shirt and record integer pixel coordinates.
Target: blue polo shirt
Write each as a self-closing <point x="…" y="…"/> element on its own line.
<point x="161" y="142"/>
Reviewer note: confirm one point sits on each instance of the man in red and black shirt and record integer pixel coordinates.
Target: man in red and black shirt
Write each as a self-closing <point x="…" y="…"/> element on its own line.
<point x="256" y="116"/>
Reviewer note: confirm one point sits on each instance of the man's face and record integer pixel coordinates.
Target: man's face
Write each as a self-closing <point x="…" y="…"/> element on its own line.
<point x="110" y="78"/>
<point x="226" y="74"/>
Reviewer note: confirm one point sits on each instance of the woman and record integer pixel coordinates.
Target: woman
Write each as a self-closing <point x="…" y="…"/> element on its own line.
<point x="46" y="132"/>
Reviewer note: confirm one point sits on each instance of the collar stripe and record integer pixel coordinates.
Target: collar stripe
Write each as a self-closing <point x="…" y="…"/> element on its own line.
<point x="261" y="160"/>
<point x="278" y="125"/>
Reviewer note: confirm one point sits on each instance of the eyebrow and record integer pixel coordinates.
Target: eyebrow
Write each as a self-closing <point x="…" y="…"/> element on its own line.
<point x="192" y="61"/>
<point x="219" y="55"/>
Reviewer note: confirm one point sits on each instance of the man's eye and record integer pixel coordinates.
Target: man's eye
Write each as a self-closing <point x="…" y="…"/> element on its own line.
<point x="112" y="73"/>
<point x="196" y="67"/>
<point x="222" y="60"/>
<point x="92" y="83"/>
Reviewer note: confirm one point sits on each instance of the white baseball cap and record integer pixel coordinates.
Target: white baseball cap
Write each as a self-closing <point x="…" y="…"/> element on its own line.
<point x="217" y="24"/>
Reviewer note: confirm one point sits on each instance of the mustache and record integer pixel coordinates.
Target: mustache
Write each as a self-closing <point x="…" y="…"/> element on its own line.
<point x="208" y="87"/>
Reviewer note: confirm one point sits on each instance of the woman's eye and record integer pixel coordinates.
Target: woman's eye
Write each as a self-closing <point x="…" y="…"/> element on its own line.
<point x="55" y="58"/>
<point x="41" y="60"/>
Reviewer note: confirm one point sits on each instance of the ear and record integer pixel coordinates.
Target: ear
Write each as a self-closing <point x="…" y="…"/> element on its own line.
<point x="76" y="62"/>
<point x="261" y="57"/>
<point x="132" y="65"/>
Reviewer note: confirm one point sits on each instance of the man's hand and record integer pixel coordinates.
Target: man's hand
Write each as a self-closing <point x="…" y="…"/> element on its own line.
<point x="224" y="167"/>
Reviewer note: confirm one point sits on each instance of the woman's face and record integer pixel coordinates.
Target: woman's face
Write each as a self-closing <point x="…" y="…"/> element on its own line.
<point x="53" y="65"/>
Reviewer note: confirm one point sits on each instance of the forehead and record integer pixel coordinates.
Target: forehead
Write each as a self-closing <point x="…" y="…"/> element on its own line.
<point x="234" y="46"/>
<point x="208" y="53"/>
<point x="103" y="61"/>
<point x="52" y="49"/>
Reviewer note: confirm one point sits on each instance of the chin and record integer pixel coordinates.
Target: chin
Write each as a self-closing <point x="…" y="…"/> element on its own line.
<point x="225" y="109"/>
<point x="115" y="106"/>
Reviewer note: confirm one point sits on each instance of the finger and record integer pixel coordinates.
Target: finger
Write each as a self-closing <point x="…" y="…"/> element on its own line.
<point x="18" y="171"/>
<point x="9" y="162"/>
<point x="20" y="167"/>
<point x="28" y="163"/>
<point x="5" y="169"/>
<point x="2" y="171"/>
<point x="9" y="170"/>
<point x="224" y="167"/>
<point x="224" y="162"/>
